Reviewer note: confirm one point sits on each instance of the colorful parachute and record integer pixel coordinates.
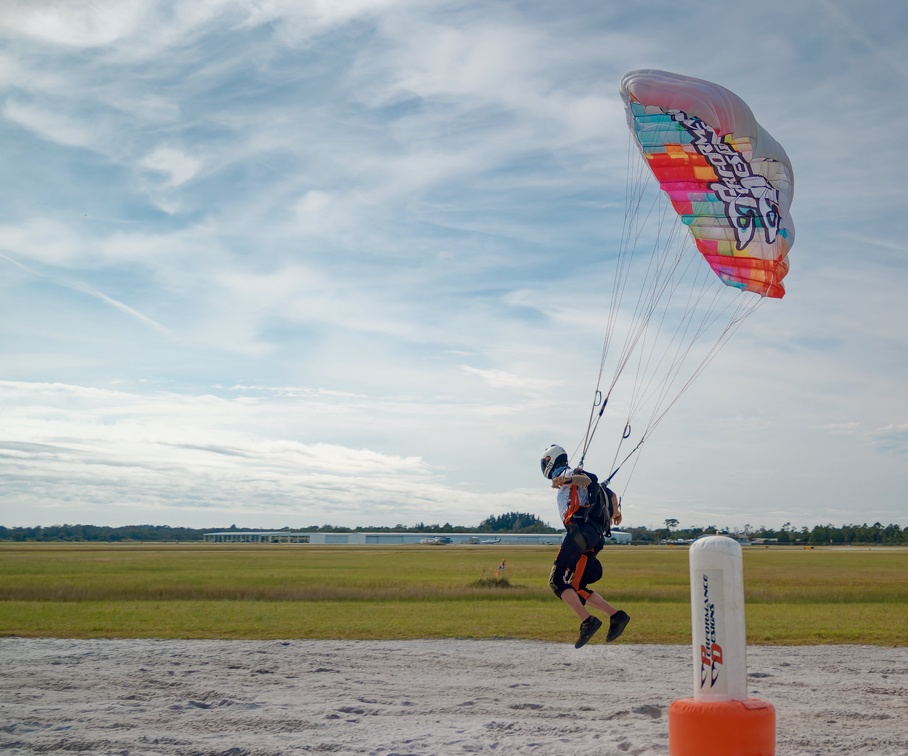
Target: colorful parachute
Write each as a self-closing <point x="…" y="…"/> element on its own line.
<point x="730" y="185"/>
<point x="727" y="178"/>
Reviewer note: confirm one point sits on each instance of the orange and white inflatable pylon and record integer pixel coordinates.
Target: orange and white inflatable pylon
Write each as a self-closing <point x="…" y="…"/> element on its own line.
<point x="720" y="720"/>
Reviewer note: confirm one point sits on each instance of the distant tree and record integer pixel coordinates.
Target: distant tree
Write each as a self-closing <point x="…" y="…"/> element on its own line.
<point x="514" y="522"/>
<point x="510" y="522"/>
<point x="641" y="534"/>
<point x="819" y="535"/>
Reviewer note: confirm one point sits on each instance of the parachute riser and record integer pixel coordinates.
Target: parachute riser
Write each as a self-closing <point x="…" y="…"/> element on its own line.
<point x="595" y="417"/>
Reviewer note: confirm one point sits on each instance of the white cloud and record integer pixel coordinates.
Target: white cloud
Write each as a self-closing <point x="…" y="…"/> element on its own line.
<point x="892" y="438"/>
<point x="847" y="428"/>
<point x="77" y="24"/>
<point x="56" y="126"/>
<point x="98" y="448"/>
<point x="179" y="166"/>
<point x="501" y="379"/>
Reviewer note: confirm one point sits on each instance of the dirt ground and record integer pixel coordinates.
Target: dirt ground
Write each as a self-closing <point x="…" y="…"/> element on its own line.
<point x="422" y="697"/>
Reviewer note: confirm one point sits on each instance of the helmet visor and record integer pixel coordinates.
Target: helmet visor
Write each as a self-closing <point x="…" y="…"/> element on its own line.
<point x="552" y="466"/>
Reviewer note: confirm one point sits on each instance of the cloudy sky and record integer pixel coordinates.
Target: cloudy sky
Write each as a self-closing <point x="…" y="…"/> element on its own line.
<point x="291" y="262"/>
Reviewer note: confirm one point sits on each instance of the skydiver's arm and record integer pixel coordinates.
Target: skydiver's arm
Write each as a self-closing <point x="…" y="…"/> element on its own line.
<point x="576" y="479"/>
<point x="616" y="516"/>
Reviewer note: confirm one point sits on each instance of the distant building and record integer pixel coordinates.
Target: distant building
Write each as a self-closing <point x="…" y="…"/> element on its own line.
<point x="364" y="539"/>
<point x="256" y="536"/>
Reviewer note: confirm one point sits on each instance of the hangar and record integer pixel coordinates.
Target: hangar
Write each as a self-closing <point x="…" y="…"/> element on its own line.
<point x="387" y="538"/>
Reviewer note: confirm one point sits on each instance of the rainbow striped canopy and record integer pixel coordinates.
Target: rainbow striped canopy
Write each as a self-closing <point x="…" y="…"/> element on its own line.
<point x="728" y="179"/>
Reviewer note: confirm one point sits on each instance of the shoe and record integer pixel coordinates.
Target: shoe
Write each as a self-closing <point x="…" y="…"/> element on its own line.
<point x="588" y="629"/>
<point x="616" y="625"/>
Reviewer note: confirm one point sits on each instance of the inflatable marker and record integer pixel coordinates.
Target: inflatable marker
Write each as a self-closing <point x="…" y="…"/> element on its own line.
<point x="720" y="719"/>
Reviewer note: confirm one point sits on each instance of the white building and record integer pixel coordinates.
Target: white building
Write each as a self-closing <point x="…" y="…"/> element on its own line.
<point x="364" y="539"/>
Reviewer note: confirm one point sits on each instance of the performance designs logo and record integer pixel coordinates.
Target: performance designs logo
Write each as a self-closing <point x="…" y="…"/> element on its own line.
<point x="710" y="651"/>
<point x="751" y="202"/>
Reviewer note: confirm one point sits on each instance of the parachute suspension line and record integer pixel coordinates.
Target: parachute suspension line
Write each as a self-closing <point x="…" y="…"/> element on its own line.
<point x="634" y="191"/>
<point x="661" y="276"/>
<point x="616" y="468"/>
<point x="627" y="479"/>
<point x="661" y="297"/>
<point x="657" y="418"/>
<point x="676" y="342"/>
<point x="643" y="209"/>
<point x="665" y="326"/>
<point x="743" y="311"/>
<point x="745" y="307"/>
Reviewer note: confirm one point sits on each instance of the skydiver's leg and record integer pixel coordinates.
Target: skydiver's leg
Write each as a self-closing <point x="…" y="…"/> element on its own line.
<point x="564" y="573"/>
<point x="618" y="619"/>
<point x="591" y="574"/>
<point x="567" y="574"/>
<point x="597" y="602"/>
<point x="569" y="596"/>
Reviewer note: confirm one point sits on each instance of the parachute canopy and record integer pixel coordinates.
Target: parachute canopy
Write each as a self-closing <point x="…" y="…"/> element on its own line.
<point x="728" y="179"/>
<point x="723" y="192"/>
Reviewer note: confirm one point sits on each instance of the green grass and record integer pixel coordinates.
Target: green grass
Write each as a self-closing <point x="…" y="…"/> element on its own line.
<point x="794" y="596"/>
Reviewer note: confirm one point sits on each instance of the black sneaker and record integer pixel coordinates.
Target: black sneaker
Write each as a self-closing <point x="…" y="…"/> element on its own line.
<point x="616" y="625"/>
<point x="588" y="629"/>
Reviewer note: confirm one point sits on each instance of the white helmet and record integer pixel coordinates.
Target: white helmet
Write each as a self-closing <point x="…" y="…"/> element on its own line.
<point x="552" y="458"/>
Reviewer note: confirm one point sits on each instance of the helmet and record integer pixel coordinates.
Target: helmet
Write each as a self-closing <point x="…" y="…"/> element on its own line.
<point x="553" y="458"/>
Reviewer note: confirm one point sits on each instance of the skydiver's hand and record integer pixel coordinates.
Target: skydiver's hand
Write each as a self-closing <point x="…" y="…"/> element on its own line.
<point x="579" y="480"/>
<point x="616" y="518"/>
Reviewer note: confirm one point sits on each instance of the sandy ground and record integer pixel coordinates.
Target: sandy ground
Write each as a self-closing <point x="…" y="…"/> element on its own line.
<point x="422" y="697"/>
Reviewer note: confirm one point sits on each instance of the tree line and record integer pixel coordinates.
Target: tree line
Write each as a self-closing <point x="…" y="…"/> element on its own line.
<point x="818" y="535"/>
<point x="511" y="522"/>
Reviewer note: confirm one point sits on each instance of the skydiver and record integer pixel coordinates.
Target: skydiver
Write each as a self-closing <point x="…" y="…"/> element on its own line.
<point x="576" y="565"/>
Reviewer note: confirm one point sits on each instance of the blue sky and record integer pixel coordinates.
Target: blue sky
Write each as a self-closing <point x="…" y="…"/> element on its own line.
<point x="284" y="263"/>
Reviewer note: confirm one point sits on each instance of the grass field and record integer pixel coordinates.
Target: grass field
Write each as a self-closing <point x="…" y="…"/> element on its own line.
<point x="794" y="596"/>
